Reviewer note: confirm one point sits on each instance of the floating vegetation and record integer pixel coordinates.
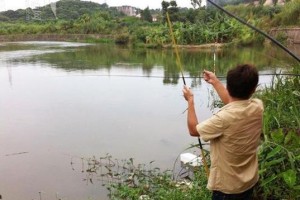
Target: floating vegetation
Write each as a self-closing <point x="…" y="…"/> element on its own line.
<point x="126" y="180"/>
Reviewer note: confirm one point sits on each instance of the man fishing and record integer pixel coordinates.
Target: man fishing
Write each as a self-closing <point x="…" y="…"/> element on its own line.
<point x="234" y="133"/>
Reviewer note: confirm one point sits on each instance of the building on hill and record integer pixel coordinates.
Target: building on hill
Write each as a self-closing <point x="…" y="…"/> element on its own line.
<point x="127" y="10"/>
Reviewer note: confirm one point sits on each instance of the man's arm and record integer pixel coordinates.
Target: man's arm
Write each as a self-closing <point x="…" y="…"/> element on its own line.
<point x="211" y="78"/>
<point x="192" y="120"/>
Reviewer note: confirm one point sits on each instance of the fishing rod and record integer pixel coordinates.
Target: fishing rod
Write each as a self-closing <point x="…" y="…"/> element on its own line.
<point x="176" y="49"/>
<point x="181" y="71"/>
<point x="257" y="30"/>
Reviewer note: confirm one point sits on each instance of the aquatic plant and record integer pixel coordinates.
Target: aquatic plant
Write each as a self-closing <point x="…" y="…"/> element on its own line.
<point x="126" y="180"/>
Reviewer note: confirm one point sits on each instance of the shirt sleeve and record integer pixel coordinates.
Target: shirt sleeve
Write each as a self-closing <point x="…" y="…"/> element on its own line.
<point x="259" y="103"/>
<point x="212" y="128"/>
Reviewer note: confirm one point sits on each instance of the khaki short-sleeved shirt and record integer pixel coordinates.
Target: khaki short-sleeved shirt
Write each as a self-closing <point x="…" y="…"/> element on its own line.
<point x="234" y="135"/>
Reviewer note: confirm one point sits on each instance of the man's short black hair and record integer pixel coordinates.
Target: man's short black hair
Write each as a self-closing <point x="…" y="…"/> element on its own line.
<point x="242" y="81"/>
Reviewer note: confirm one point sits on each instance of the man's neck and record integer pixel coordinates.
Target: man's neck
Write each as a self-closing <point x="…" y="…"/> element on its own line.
<point x="232" y="99"/>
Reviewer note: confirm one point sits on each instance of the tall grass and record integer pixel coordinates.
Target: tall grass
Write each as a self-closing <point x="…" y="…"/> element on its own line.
<point x="282" y="104"/>
<point x="289" y="16"/>
<point x="279" y="154"/>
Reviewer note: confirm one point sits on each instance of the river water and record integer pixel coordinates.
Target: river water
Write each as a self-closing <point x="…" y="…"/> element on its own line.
<point x="63" y="103"/>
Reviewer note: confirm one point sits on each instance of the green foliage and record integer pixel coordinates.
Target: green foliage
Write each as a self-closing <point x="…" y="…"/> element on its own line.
<point x="127" y="180"/>
<point x="146" y="15"/>
<point x="140" y="34"/>
<point x="279" y="154"/>
<point x="190" y="26"/>
<point x="289" y="16"/>
<point x="172" y="9"/>
<point x="158" y="35"/>
<point x="122" y="39"/>
<point x="258" y="16"/>
<point x="11" y="15"/>
<point x="281" y="37"/>
<point x="282" y="104"/>
<point x="279" y="167"/>
<point x="206" y="26"/>
<point x="66" y="10"/>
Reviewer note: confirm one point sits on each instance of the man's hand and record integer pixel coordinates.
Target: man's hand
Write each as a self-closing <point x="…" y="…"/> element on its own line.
<point x="209" y="77"/>
<point x="188" y="94"/>
<point x="192" y="120"/>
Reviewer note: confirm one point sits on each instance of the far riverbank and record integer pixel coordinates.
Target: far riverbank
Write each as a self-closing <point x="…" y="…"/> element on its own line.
<point x="93" y="38"/>
<point x="56" y="37"/>
<point x="100" y="38"/>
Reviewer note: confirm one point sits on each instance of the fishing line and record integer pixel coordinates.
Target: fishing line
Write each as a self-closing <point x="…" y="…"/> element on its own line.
<point x="162" y="77"/>
<point x="214" y="51"/>
<point x="257" y="30"/>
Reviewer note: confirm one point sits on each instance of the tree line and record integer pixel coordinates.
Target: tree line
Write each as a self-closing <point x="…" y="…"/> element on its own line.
<point x="197" y="25"/>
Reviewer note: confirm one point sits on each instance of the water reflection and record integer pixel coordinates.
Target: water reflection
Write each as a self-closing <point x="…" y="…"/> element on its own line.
<point x="105" y="57"/>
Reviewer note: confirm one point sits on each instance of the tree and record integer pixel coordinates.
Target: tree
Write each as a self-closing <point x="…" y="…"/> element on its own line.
<point x="164" y="5"/>
<point x="172" y="9"/>
<point x="196" y="3"/>
<point x="146" y="15"/>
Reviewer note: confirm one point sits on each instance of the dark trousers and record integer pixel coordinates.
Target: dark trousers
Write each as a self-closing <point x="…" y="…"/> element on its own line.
<point x="247" y="195"/>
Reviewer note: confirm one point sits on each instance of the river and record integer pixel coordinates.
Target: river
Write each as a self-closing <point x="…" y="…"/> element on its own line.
<point x="62" y="103"/>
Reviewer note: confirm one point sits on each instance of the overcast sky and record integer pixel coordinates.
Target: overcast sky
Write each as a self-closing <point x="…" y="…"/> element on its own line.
<point x="142" y="4"/>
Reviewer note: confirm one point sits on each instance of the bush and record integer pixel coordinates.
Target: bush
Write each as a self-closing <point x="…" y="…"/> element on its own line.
<point x="290" y="14"/>
<point x="279" y="155"/>
<point x="122" y="39"/>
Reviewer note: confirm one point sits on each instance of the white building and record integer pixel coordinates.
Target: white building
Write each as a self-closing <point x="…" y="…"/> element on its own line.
<point x="127" y="10"/>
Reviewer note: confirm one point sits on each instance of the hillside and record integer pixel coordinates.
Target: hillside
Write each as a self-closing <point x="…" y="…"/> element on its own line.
<point x="191" y="26"/>
<point x="65" y="10"/>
